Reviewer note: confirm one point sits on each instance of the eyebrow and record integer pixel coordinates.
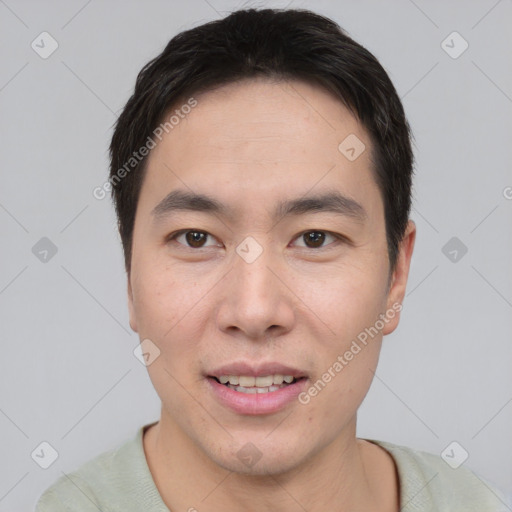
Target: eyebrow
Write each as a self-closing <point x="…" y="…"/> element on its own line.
<point x="331" y="202"/>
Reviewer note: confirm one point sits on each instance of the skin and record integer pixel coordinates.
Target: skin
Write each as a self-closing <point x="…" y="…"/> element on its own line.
<point x="250" y="145"/>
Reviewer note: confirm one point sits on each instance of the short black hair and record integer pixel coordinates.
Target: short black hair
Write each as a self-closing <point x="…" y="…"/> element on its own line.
<point x="282" y="44"/>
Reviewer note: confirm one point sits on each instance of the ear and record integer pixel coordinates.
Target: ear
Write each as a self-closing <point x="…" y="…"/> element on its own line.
<point x="398" y="284"/>
<point x="131" y="307"/>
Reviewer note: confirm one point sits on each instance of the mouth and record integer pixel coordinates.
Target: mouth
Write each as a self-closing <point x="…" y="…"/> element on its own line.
<point x="256" y="385"/>
<point x="250" y="390"/>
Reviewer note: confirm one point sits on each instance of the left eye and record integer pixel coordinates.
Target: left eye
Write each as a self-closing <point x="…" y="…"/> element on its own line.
<point x="193" y="239"/>
<point x="315" y="239"/>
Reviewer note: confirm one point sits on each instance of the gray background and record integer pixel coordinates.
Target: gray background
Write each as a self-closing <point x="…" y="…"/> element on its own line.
<point x="68" y="375"/>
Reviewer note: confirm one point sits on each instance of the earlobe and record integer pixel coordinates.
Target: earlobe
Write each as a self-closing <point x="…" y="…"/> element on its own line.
<point x="399" y="280"/>
<point x="131" y="307"/>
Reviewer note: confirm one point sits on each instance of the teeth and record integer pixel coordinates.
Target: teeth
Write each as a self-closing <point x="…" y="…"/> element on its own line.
<point x="254" y="390"/>
<point x="264" y="382"/>
<point x="249" y="391"/>
<point x="246" y="381"/>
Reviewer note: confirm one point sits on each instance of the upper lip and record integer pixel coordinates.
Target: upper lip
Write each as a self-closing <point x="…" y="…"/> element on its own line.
<point x="256" y="369"/>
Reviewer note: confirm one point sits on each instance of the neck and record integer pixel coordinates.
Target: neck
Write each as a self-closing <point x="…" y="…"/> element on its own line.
<point x="346" y="474"/>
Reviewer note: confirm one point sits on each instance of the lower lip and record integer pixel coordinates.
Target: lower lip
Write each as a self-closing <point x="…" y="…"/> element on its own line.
<point x="257" y="403"/>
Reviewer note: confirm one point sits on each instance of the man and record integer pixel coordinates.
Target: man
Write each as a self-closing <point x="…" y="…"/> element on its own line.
<point x="261" y="174"/>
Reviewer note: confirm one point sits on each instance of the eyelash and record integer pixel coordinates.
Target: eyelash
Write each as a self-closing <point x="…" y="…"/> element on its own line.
<point x="339" y="238"/>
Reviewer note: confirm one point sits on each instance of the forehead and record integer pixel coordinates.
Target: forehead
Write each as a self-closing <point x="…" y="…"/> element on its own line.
<point x="262" y="137"/>
<point x="260" y="113"/>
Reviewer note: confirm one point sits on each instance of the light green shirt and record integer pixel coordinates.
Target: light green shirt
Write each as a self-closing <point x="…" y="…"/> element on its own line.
<point x="119" y="480"/>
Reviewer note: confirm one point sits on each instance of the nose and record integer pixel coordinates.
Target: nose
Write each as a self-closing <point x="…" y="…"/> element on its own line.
<point x="256" y="302"/>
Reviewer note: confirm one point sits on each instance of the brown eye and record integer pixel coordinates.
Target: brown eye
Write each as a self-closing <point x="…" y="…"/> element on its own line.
<point x="195" y="238"/>
<point x="314" y="238"/>
<point x="192" y="238"/>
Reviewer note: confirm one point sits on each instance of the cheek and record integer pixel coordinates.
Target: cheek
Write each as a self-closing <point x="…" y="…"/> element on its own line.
<point x="349" y="302"/>
<point x="168" y="308"/>
<point x="334" y="400"/>
<point x="171" y="308"/>
<point x="162" y="296"/>
<point x="346" y="299"/>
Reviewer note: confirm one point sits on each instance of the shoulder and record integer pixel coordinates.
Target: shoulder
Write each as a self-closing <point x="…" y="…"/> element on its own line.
<point x="118" y="479"/>
<point x="427" y="482"/>
<point x="81" y="489"/>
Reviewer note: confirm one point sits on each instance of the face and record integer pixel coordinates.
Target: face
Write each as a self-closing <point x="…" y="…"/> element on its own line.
<point x="279" y="272"/>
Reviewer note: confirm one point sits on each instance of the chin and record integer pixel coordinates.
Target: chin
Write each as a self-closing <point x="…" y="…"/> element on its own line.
<point x="256" y="456"/>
